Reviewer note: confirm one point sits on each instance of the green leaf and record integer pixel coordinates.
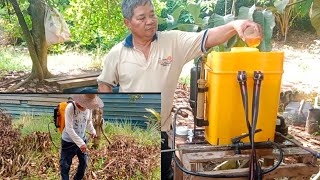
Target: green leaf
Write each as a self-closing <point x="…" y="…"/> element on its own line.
<point x="3" y="11"/>
<point x="170" y="20"/>
<point x="303" y="8"/>
<point x="266" y="19"/>
<point x="194" y="10"/>
<point x="221" y="48"/>
<point x="205" y="20"/>
<point x="281" y="5"/>
<point x="176" y="13"/>
<point x="222" y="20"/>
<point x="154" y="113"/>
<point x="188" y="27"/>
<point x="240" y="43"/>
<point x="246" y="13"/>
<point x="161" y="20"/>
<point x="232" y="41"/>
<point x="315" y="16"/>
<point x="235" y="41"/>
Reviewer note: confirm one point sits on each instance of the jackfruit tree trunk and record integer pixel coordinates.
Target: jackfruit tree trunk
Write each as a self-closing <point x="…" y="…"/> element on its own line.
<point x="36" y="41"/>
<point x="37" y="12"/>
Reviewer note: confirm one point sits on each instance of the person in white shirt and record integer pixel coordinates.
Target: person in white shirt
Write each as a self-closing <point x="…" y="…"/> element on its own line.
<point x="78" y="119"/>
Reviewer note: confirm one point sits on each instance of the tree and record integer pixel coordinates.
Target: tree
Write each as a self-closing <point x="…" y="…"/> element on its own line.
<point x="35" y="39"/>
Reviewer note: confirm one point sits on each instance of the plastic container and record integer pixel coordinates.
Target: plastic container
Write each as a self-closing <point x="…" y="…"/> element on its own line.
<point x="224" y="108"/>
<point x="252" y="37"/>
<point x="182" y="130"/>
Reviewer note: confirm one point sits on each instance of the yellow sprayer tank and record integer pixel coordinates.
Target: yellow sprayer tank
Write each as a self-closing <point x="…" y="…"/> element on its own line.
<point x="224" y="107"/>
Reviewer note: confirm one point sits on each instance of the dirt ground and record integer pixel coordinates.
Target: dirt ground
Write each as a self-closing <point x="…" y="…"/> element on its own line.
<point x="302" y="62"/>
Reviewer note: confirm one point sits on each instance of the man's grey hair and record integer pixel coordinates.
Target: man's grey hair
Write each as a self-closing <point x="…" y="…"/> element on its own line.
<point x="128" y="7"/>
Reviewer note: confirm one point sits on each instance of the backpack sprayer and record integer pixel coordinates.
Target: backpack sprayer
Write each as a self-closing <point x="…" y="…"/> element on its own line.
<point x="226" y="84"/>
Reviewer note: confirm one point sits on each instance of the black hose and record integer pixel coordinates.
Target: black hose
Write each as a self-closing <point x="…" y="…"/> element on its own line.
<point x="255" y="168"/>
<point x="191" y="172"/>
<point x="51" y="136"/>
<point x="242" y="78"/>
<point x="211" y="175"/>
<point x="52" y="139"/>
<point x="279" y="160"/>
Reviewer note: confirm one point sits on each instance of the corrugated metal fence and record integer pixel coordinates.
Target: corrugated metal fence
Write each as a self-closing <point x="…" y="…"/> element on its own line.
<point x="117" y="107"/>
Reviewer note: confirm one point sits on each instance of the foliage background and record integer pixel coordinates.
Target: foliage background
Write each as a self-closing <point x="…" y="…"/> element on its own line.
<point x="98" y="24"/>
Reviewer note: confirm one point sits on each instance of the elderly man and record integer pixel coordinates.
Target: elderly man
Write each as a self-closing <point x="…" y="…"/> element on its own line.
<point x="151" y="61"/>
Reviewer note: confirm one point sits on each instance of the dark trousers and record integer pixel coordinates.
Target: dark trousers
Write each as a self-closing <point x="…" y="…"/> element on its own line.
<point x="68" y="151"/>
<point x="166" y="158"/>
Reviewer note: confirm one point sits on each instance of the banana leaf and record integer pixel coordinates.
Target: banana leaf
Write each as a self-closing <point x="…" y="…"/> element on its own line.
<point x="246" y="13"/>
<point x="303" y="8"/>
<point x="281" y="5"/>
<point x="315" y="16"/>
<point x="266" y="19"/>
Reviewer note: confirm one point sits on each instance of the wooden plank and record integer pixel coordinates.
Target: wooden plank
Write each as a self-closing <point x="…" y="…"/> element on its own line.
<point x="54" y="100"/>
<point x="289" y="170"/>
<point x="178" y="174"/>
<point x="90" y="81"/>
<point x="39" y="103"/>
<point x="217" y="156"/>
<point x="186" y="163"/>
<point x="293" y="170"/>
<point x="317" y="176"/>
<point x="30" y="98"/>
<point x="71" y="77"/>
<point x="191" y="177"/>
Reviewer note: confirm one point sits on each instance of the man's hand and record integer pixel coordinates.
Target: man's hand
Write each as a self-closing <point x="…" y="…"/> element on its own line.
<point x="83" y="148"/>
<point x="102" y="87"/>
<point x="221" y="34"/>
<point x="241" y="25"/>
<point x="93" y="136"/>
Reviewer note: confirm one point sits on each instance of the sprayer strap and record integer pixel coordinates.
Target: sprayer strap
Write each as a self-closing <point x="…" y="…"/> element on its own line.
<point x="258" y="77"/>
<point x="74" y="106"/>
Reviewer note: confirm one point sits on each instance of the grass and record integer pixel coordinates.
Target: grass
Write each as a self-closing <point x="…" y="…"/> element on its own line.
<point x="14" y="59"/>
<point x="17" y="58"/>
<point x="149" y="136"/>
<point x="185" y="80"/>
<point x="29" y="123"/>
